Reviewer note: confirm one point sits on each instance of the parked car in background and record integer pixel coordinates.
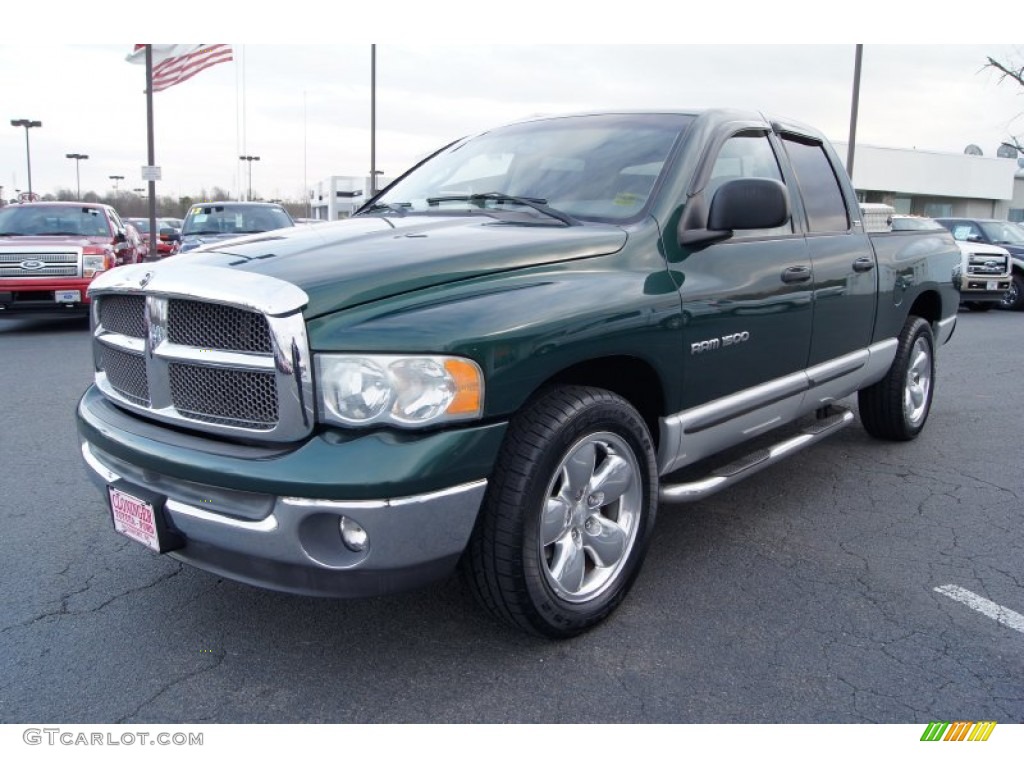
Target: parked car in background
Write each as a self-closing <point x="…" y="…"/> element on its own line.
<point x="212" y="222"/>
<point x="169" y="237"/>
<point x="995" y="232"/>
<point x="50" y="253"/>
<point x="985" y="270"/>
<point x="138" y="240"/>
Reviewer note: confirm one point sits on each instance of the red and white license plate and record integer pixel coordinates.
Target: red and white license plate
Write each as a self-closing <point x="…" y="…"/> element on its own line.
<point x="135" y="518"/>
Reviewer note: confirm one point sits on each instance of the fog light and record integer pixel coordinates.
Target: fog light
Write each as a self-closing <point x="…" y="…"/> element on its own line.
<point x="353" y="535"/>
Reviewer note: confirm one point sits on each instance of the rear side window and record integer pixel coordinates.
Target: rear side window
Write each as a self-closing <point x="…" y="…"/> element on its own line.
<point x="819" y="187"/>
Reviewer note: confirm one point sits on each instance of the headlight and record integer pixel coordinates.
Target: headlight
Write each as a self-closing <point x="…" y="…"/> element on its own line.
<point x="96" y="260"/>
<point x="407" y="391"/>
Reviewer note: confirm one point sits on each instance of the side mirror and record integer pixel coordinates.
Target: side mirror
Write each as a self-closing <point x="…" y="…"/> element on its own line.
<point x="748" y="203"/>
<point x="121" y="237"/>
<point x="170" y="235"/>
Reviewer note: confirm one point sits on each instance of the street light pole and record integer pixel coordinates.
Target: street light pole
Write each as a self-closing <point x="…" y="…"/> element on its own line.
<point x="116" y="179"/>
<point x="26" y="124"/>
<point x="249" y="159"/>
<point x="78" y="179"/>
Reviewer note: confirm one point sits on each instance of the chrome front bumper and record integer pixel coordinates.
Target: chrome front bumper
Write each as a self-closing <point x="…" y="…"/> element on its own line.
<point x="295" y="544"/>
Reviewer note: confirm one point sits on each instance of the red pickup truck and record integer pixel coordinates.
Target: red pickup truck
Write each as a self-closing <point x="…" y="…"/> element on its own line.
<point x="50" y="253"/>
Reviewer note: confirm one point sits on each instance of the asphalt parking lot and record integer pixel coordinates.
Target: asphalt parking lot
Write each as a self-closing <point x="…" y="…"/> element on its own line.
<point x="806" y="594"/>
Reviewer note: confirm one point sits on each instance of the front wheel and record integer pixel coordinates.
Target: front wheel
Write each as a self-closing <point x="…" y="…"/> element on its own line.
<point x="568" y="513"/>
<point x="1014" y="298"/>
<point x="897" y="407"/>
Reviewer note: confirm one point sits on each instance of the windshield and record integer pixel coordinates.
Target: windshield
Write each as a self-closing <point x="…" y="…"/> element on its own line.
<point x="235" y="219"/>
<point x="53" y="220"/>
<point x="1002" y="232"/>
<point x="599" y="167"/>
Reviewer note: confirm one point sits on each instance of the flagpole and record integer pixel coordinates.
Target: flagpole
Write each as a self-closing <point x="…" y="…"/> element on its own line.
<point x="153" y="255"/>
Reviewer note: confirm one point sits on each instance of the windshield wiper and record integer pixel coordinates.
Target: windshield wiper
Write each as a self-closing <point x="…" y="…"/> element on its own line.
<point x="61" y="233"/>
<point x="202" y="232"/>
<point x="399" y="208"/>
<point x="12" y="234"/>
<point x="537" y="203"/>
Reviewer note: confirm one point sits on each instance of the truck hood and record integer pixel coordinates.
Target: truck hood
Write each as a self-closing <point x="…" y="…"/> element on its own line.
<point x="50" y="241"/>
<point x="363" y="259"/>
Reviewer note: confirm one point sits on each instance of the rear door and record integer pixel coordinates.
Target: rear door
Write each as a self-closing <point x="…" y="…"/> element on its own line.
<point x="845" y="286"/>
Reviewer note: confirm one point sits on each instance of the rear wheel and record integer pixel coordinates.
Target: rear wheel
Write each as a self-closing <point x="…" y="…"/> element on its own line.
<point x="568" y="513"/>
<point x="897" y="407"/>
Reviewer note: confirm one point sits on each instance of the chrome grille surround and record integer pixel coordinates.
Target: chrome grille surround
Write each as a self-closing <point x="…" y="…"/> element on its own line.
<point x="195" y="376"/>
<point x="55" y="262"/>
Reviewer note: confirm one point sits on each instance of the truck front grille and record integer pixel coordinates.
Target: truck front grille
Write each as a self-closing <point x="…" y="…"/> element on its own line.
<point x="216" y="326"/>
<point x="216" y="396"/>
<point x="995" y="265"/>
<point x="208" y="365"/>
<point x="29" y="263"/>
<point x="126" y="373"/>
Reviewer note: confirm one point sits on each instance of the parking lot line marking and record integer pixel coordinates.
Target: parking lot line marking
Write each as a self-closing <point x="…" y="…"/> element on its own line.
<point x="1000" y="613"/>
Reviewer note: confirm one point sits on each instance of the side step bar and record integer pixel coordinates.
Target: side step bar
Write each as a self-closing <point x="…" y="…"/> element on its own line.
<point x="758" y="460"/>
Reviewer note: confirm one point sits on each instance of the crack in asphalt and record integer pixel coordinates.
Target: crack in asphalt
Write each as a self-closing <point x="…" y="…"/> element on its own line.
<point x="219" y="659"/>
<point x="63" y="609"/>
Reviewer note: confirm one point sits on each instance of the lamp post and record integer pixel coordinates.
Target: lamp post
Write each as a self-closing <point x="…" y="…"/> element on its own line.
<point x="115" y="180"/>
<point x="373" y="181"/>
<point x="249" y="159"/>
<point x="26" y="124"/>
<point x="78" y="179"/>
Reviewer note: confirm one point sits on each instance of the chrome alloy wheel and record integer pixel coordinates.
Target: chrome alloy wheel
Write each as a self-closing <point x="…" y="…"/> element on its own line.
<point x="918" y="384"/>
<point x="590" y="517"/>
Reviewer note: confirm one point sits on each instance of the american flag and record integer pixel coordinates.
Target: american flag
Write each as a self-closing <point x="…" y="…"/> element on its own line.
<point x="173" y="64"/>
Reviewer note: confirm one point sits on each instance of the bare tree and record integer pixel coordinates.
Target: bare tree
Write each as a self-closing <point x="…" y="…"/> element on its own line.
<point x="1014" y="73"/>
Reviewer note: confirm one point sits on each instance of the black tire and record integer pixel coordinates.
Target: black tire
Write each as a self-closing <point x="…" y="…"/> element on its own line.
<point x="897" y="407"/>
<point x="1014" y="298"/>
<point x="980" y="306"/>
<point x="530" y="546"/>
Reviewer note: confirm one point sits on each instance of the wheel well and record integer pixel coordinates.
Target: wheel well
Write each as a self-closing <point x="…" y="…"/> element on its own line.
<point x="928" y="306"/>
<point x="629" y="377"/>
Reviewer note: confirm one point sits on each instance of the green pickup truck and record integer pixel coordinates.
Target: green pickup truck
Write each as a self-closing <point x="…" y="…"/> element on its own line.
<point x="507" y="359"/>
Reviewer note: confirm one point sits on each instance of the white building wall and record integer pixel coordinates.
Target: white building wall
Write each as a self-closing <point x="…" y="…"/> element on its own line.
<point x="931" y="174"/>
<point x="337" y="197"/>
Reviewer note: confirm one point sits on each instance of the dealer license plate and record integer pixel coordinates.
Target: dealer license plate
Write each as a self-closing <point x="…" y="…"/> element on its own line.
<point x="67" y="297"/>
<point x="993" y="285"/>
<point x="135" y="518"/>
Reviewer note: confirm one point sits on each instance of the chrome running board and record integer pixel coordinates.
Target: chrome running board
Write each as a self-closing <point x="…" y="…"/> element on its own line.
<point x="754" y="462"/>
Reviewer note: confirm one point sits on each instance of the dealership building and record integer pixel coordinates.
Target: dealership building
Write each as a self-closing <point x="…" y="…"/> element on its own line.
<point x="935" y="184"/>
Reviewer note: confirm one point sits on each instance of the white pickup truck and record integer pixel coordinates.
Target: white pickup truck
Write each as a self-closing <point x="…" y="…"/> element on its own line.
<point x="985" y="269"/>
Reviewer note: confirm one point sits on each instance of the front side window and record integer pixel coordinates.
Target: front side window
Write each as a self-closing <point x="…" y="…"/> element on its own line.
<point x="819" y="187"/>
<point x="746" y="155"/>
<point x="596" y="167"/>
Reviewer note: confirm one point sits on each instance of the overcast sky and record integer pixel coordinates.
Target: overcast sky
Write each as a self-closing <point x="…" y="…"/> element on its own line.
<point x="304" y="108"/>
